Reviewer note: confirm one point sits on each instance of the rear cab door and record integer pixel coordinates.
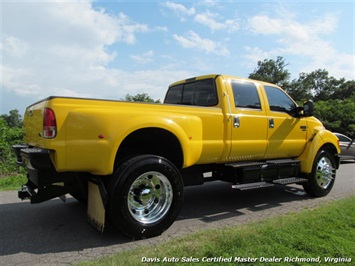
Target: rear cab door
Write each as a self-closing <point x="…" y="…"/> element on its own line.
<point x="249" y="123"/>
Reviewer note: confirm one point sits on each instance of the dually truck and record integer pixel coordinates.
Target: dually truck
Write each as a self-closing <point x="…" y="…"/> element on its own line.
<point x="129" y="162"/>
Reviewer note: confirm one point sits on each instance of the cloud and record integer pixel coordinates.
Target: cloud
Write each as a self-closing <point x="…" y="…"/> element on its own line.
<point x="13" y="46"/>
<point x="56" y="48"/>
<point x="209" y="3"/>
<point x="193" y="40"/>
<point x="291" y="28"/>
<point x="209" y="19"/>
<point x="302" y="39"/>
<point x="143" y="58"/>
<point x="206" y="18"/>
<point x="180" y="10"/>
<point x="255" y="54"/>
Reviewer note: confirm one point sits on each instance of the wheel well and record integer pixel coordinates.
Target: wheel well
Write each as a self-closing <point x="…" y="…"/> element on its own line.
<point x="333" y="150"/>
<point x="330" y="147"/>
<point x="155" y="141"/>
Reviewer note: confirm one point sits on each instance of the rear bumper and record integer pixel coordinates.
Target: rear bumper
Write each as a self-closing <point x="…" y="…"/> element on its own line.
<point x="37" y="162"/>
<point x="17" y="149"/>
<point x="44" y="182"/>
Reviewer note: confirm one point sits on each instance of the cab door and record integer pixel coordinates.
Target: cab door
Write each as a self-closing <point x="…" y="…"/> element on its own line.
<point x="287" y="132"/>
<point x="249" y="124"/>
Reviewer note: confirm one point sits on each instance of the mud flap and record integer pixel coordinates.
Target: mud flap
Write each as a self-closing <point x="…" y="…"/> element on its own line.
<point x="97" y="198"/>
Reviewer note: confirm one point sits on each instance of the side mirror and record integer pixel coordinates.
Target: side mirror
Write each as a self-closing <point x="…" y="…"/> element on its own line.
<point x="308" y="108"/>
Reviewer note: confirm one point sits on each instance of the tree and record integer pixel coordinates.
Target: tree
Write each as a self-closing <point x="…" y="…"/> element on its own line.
<point x="345" y="90"/>
<point x="298" y="91"/>
<point x="272" y="71"/>
<point x="10" y="133"/>
<point x="337" y="115"/>
<point x="8" y="137"/>
<point x="140" y="97"/>
<point x="14" y="119"/>
<point x="319" y="86"/>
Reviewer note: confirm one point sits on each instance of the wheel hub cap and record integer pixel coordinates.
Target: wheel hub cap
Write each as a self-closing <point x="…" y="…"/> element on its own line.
<point x="325" y="172"/>
<point x="150" y="197"/>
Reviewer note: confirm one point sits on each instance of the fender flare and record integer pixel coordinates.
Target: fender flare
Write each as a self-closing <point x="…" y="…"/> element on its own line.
<point x="321" y="139"/>
<point x="187" y="130"/>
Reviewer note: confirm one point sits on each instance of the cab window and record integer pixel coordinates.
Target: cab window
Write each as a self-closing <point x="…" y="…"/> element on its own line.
<point x="279" y="101"/>
<point x="245" y="95"/>
<point x="199" y="92"/>
<point x="174" y="94"/>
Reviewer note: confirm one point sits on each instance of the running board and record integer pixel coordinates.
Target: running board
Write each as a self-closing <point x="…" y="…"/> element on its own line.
<point x="246" y="164"/>
<point x="264" y="164"/>
<point x="263" y="184"/>
<point x="291" y="180"/>
<point x="255" y="185"/>
<point x="283" y="161"/>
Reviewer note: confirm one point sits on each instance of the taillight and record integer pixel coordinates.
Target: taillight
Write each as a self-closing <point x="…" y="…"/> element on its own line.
<point x="49" y="124"/>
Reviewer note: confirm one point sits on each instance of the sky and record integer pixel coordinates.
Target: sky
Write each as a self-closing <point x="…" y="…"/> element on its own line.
<point x="107" y="49"/>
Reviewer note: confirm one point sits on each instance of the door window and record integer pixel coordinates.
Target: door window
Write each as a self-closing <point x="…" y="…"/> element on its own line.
<point x="279" y="101"/>
<point x="245" y="95"/>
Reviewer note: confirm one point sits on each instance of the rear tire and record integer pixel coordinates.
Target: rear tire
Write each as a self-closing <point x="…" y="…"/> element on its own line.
<point x="145" y="197"/>
<point x="322" y="178"/>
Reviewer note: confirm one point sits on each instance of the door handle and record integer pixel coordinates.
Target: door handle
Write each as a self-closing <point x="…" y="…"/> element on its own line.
<point x="271" y="123"/>
<point x="236" y="121"/>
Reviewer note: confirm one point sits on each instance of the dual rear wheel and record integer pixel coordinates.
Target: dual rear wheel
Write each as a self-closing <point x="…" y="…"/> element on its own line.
<point x="146" y="195"/>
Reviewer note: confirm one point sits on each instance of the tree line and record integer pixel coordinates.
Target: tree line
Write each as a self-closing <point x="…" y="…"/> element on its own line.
<point x="334" y="101"/>
<point x="11" y="133"/>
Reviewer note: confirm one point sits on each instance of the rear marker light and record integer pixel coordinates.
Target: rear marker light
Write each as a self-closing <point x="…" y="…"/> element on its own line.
<point x="49" y="124"/>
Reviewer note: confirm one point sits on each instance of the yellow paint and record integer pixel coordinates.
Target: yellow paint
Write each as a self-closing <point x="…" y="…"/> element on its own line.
<point x="90" y="131"/>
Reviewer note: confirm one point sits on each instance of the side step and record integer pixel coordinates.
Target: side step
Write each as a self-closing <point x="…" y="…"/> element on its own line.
<point x="255" y="185"/>
<point x="246" y="164"/>
<point x="263" y="184"/>
<point x="266" y="163"/>
<point x="291" y="180"/>
<point x="282" y="161"/>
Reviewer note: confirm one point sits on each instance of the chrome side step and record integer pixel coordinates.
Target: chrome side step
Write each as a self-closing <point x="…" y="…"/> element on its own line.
<point x="263" y="184"/>
<point x="255" y="185"/>
<point x="246" y="164"/>
<point x="291" y="180"/>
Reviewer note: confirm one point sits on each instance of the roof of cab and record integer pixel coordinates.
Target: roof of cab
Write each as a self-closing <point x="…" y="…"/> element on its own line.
<point x="227" y="77"/>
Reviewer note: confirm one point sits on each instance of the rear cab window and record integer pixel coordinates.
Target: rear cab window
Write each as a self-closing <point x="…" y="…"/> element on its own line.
<point x="198" y="92"/>
<point x="245" y="95"/>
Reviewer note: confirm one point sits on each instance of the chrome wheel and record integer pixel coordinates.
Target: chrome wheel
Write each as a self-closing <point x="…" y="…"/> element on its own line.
<point x="322" y="178"/>
<point x="146" y="195"/>
<point x="325" y="172"/>
<point x="150" y="197"/>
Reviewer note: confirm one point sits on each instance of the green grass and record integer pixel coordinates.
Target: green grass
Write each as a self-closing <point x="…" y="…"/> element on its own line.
<point x="12" y="182"/>
<point x="328" y="231"/>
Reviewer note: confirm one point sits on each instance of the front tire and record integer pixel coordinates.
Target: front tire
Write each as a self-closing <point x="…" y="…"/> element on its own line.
<point x="322" y="178"/>
<point x="146" y="195"/>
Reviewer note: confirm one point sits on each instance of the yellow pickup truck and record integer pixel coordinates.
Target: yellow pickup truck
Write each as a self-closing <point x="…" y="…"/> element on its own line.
<point x="130" y="161"/>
